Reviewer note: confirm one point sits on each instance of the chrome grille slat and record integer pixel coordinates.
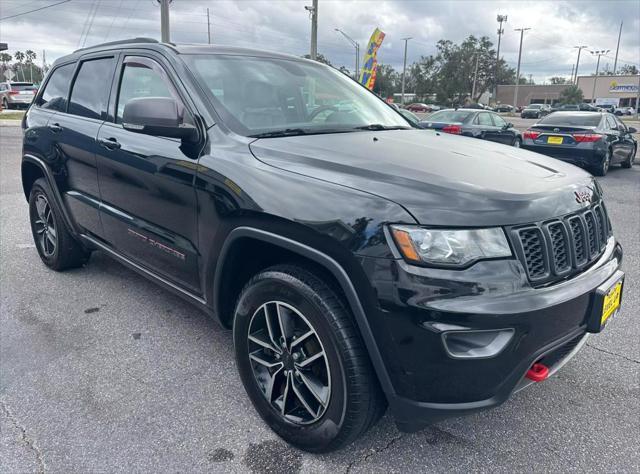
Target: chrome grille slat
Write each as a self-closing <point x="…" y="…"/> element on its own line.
<point x="554" y="249"/>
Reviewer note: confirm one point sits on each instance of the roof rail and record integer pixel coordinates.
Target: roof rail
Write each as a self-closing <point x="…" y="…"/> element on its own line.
<point x="125" y="41"/>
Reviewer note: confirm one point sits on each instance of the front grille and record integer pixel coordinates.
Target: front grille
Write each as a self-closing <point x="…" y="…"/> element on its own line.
<point x="554" y="249"/>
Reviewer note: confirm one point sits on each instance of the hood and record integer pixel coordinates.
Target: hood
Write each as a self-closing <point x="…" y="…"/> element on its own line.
<point x="439" y="178"/>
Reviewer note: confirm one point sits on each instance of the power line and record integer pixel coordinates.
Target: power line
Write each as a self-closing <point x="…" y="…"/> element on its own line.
<point x="34" y="10"/>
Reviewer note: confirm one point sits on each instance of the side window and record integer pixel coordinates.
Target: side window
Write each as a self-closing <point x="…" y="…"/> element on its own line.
<point x="141" y="79"/>
<point x="620" y="123"/>
<point x="499" y="121"/>
<point x="484" y="118"/>
<point x="56" y="91"/>
<point x="90" y="92"/>
<point x="611" y="123"/>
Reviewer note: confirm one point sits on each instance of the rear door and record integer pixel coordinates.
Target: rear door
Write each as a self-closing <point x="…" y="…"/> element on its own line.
<point x="615" y="138"/>
<point x="484" y="128"/>
<point x="75" y="127"/>
<point x="147" y="182"/>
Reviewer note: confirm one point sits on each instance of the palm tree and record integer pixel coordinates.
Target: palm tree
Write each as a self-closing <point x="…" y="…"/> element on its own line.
<point x="19" y="56"/>
<point x="4" y="59"/>
<point x="31" y="56"/>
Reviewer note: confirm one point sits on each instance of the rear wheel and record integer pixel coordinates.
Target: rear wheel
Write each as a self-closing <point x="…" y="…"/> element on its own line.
<point x="55" y="244"/>
<point x="603" y="167"/>
<point x="5" y="103"/>
<point x="302" y="361"/>
<point x="628" y="163"/>
<point x="517" y="142"/>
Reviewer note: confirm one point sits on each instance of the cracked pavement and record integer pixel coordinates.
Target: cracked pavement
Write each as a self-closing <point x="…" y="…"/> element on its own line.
<point x="102" y="371"/>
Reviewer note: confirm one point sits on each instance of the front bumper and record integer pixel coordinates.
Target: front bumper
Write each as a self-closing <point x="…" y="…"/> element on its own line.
<point x="418" y="305"/>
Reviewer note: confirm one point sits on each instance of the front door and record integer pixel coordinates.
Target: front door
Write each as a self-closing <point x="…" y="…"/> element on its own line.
<point x="504" y="133"/>
<point x="147" y="183"/>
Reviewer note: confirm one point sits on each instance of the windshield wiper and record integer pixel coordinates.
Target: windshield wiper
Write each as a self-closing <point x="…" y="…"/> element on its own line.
<point x="378" y="126"/>
<point x="287" y="132"/>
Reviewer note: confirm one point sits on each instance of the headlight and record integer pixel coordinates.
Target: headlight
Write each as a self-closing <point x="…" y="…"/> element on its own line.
<point x="450" y="247"/>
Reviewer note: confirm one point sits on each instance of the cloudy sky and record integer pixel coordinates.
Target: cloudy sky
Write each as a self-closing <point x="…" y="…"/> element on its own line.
<point x="283" y="25"/>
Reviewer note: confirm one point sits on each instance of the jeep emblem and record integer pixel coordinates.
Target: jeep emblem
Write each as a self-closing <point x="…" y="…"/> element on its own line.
<point x="583" y="196"/>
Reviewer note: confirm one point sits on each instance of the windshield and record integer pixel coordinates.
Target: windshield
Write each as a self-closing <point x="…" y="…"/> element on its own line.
<point x="449" y="116"/>
<point x="534" y="106"/>
<point x="267" y="96"/>
<point x="582" y="120"/>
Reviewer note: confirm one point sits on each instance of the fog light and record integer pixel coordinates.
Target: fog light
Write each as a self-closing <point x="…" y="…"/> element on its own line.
<point x="476" y="344"/>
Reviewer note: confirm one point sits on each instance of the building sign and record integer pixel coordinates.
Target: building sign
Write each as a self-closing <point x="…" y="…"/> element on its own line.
<point x="623" y="88"/>
<point x="615" y="101"/>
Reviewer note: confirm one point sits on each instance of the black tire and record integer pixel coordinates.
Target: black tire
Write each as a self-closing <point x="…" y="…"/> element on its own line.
<point x="628" y="163"/>
<point x="354" y="401"/>
<point x="56" y="246"/>
<point x="5" y="103"/>
<point x="602" y="168"/>
<point x="517" y="142"/>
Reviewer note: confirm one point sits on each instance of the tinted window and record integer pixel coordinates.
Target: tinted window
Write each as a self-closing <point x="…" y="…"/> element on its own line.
<point x="139" y="80"/>
<point x="449" y="116"/>
<point x="55" y="93"/>
<point x="621" y="125"/>
<point x="611" y="123"/>
<point x="499" y="121"/>
<point x="534" y="106"/>
<point x="484" y="119"/>
<point x="585" y="119"/>
<point x="91" y="89"/>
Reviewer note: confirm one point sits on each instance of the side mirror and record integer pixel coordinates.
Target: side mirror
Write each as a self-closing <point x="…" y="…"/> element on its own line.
<point x="158" y="116"/>
<point x="508" y="125"/>
<point x="632" y="130"/>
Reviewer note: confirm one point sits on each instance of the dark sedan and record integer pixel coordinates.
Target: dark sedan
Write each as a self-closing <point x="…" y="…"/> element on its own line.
<point x="474" y="123"/>
<point x="535" y="111"/>
<point x="587" y="139"/>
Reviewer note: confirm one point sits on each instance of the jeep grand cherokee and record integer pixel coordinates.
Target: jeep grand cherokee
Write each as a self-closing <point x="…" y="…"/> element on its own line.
<point x="360" y="263"/>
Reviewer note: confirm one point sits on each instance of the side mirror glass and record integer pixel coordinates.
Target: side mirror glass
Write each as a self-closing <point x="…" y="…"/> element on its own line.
<point x="158" y="116"/>
<point x="632" y="130"/>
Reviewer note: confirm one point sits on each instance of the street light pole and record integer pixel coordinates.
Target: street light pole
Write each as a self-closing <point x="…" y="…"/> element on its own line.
<point x="595" y="79"/>
<point x="579" y="48"/>
<point x="615" y="62"/>
<point x="475" y="76"/>
<point x="500" y="19"/>
<point x="515" y="93"/>
<point x="356" y="46"/>
<point x="164" y="20"/>
<point x="208" y="27"/>
<point x="404" y="68"/>
<point x="313" y="11"/>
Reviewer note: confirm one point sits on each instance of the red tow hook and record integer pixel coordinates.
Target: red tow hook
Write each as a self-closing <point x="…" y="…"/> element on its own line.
<point x="538" y="372"/>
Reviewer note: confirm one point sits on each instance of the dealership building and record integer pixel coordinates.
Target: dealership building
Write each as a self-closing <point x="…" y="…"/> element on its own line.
<point x="621" y="91"/>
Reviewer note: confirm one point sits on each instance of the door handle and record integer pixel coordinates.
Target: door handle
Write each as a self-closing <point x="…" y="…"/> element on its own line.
<point x="109" y="143"/>
<point x="55" y="127"/>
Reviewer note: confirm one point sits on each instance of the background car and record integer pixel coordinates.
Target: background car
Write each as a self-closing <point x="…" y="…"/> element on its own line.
<point x="535" y="111"/>
<point x="619" y="111"/>
<point x="503" y="108"/>
<point x="17" y="94"/>
<point x="474" y="123"/>
<point x="607" y="108"/>
<point x="587" y="139"/>
<point x="420" y="107"/>
<point x="412" y="118"/>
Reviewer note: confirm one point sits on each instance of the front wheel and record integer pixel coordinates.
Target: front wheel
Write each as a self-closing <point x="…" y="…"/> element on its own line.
<point x="602" y="168"/>
<point x="302" y="361"/>
<point x="5" y="103"/>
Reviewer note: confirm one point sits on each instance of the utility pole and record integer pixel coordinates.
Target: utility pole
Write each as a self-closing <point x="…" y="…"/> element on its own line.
<point x="515" y="93"/>
<point x="356" y="45"/>
<point x="313" y="12"/>
<point x="579" y="48"/>
<point x="598" y="53"/>
<point x="638" y="99"/>
<point x="208" y="27"/>
<point x="500" y="19"/>
<point x="530" y="79"/>
<point x="475" y="77"/>
<point x="572" y="67"/>
<point x="164" y="20"/>
<point x="615" y="62"/>
<point x="404" y="68"/>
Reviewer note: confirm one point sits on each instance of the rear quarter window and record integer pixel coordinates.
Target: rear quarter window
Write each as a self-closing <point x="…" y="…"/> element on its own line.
<point x="55" y="93"/>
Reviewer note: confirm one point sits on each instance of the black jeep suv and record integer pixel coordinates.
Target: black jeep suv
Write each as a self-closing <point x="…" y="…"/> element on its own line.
<point x="361" y="263"/>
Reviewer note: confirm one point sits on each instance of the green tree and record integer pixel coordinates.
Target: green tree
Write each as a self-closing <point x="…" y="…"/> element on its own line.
<point x="388" y="80"/>
<point x="558" y="80"/>
<point x="30" y="58"/>
<point x="19" y="57"/>
<point x="628" y="69"/>
<point x="571" y="95"/>
<point x="5" y="58"/>
<point x="321" y="58"/>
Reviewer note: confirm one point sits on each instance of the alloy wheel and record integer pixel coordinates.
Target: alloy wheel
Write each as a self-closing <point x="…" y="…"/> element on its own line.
<point x="45" y="226"/>
<point x="607" y="162"/>
<point x="289" y="362"/>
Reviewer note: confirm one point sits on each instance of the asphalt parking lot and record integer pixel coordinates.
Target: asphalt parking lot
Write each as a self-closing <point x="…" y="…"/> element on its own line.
<point x="102" y="371"/>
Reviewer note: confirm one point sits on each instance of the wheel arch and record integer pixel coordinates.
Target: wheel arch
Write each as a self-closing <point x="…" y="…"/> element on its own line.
<point x="225" y="297"/>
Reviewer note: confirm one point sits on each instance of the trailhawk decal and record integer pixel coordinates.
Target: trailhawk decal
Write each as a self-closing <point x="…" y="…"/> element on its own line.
<point x="156" y="244"/>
